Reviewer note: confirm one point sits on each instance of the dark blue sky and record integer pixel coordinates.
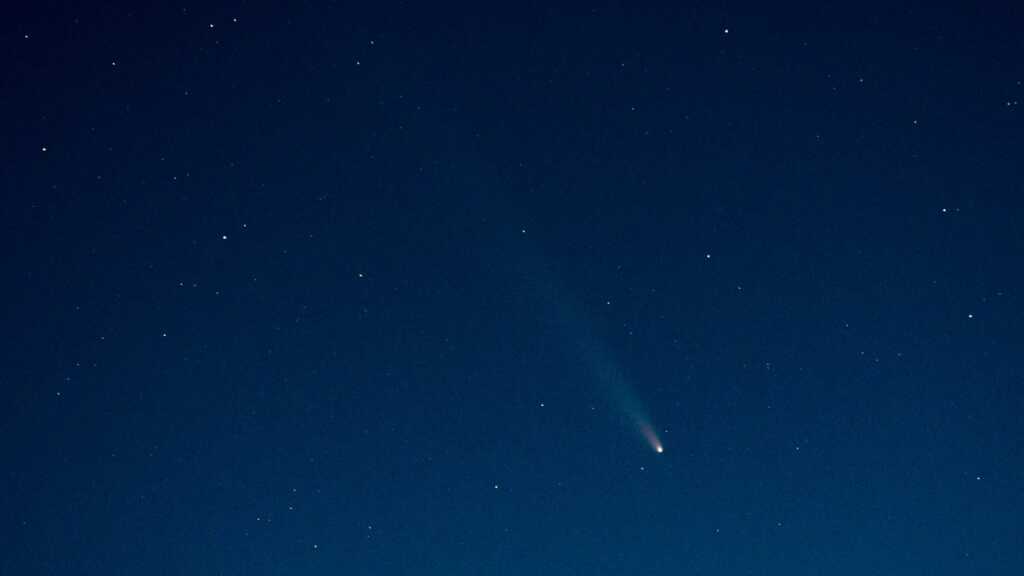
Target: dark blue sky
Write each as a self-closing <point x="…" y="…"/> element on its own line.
<point x="342" y="289"/>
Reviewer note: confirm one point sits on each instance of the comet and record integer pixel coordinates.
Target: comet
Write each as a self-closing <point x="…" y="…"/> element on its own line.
<point x="621" y="395"/>
<point x="600" y="364"/>
<point x="650" y="435"/>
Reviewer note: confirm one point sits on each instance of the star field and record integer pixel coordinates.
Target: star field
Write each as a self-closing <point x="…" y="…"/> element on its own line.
<point x="469" y="289"/>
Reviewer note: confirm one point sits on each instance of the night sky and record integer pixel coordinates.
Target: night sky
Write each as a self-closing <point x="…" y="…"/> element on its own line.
<point x="417" y="289"/>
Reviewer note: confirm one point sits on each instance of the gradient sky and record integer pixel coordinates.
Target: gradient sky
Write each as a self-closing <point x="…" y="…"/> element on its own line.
<point x="389" y="289"/>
